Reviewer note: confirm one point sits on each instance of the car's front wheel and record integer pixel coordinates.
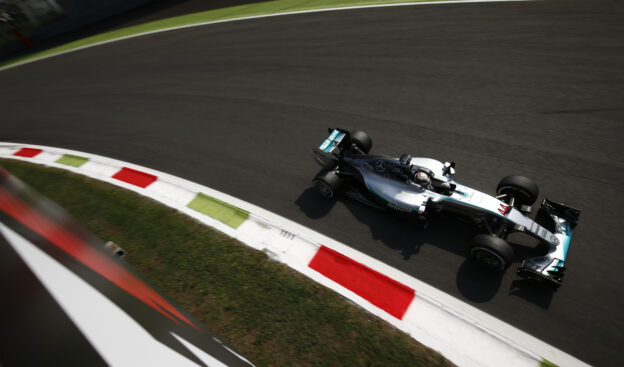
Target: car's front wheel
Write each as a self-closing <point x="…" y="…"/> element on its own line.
<point x="327" y="184"/>
<point x="491" y="252"/>
<point x="523" y="190"/>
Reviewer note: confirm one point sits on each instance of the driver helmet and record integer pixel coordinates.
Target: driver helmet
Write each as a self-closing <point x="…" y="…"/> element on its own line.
<point x="422" y="178"/>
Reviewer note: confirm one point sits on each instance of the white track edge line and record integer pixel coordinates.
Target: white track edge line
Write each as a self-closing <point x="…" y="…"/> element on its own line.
<point x="321" y="10"/>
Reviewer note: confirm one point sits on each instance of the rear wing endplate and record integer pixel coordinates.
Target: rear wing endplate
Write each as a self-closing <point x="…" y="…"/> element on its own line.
<point x="336" y="136"/>
<point x="324" y="154"/>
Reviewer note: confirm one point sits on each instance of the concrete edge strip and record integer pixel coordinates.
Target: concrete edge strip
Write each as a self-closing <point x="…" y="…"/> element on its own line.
<point x="463" y="334"/>
<point x="198" y="24"/>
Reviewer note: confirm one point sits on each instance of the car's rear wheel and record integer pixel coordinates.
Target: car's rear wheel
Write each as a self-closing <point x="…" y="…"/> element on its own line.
<point x="362" y="140"/>
<point x="491" y="252"/>
<point x="523" y="190"/>
<point x="327" y="184"/>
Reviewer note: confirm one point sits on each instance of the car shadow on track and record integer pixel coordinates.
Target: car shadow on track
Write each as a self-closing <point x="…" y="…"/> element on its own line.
<point x="480" y="285"/>
<point x="476" y="283"/>
<point x="312" y="205"/>
<point x="536" y="294"/>
<point x="408" y="234"/>
<point x="397" y="231"/>
<point x="404" y="233"/>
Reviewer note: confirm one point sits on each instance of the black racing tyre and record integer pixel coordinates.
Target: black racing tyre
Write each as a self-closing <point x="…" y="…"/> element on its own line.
<point x="523" y="190"/>
<point x="362" y="141"/>
<point x="491" y="252"/>
<point x="327" y="184"/>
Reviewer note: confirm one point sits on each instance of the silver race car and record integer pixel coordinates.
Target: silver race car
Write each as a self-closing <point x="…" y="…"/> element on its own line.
<point x="423" y="186"/>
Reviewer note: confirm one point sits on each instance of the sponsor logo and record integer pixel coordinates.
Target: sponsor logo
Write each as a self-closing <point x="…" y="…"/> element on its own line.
<point x="504" y="209"/>
<point x="380" y="166"/>
<point x="554" y="239"/>
<point x="331" y="142"/>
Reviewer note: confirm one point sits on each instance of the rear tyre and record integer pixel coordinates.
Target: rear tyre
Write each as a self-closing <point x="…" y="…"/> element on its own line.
<point x="362" y="141"/>
<point x="327" y="184"/>
<point x="491" y="252"/>
<point x="523" y="190"/>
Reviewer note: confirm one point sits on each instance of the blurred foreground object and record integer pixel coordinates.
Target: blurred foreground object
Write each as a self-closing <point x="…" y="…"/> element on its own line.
<point x="21" y="18"/>
<point x="68" y="300"/>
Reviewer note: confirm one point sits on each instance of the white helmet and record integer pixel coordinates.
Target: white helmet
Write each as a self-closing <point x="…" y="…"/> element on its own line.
<point x="422" y="178"/>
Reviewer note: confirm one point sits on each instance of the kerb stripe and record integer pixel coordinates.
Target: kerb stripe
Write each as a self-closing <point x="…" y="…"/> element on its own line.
<point x="383" y="292"/>
<point x="134" y="177"/>
<point x="27" y="152"/>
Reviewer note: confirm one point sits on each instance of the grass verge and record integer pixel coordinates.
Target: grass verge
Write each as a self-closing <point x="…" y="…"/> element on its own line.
<point x="273" y="315"/>
<point x="547" y="363"/>
<point x="247" y="10"/>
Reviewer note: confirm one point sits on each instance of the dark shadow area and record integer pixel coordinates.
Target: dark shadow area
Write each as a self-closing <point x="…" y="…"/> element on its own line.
<point x="397" y="231"/>
<point x="537" y="294"/>
<point x="154" y="10"/>
<point x="477" y="283"/>
<point x="480" y="285"/>
<point x="407" y="233"/>
<point x="313" y="205"/>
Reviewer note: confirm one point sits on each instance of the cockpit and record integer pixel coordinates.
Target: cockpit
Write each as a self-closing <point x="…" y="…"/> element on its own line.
<point x="426" y="176"/>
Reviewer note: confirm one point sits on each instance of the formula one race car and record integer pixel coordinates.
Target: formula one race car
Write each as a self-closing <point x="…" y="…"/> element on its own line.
<point x="422" y="186"/>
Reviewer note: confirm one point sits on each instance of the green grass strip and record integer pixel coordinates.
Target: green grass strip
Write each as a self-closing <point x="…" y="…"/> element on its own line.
<point x="72" y="160"/>
<point x="547" y="363"/>
<point x="270" y="313"/>
<point x="217" y="209"/>
<point x="248" y="10"/>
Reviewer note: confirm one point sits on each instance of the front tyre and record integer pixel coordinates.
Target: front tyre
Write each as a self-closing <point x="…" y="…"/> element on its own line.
<point x="327" y="184"/>
<point x="491" y="252"/>
<point x="523" y="190"/>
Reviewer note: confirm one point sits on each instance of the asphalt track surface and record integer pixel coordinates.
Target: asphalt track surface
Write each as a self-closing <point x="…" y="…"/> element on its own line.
<point x="531" y="88"/>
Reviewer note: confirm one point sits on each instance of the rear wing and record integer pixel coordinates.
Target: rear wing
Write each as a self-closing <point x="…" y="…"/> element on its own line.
<point x="334" y="140"/>
<point x="334" y="144"/>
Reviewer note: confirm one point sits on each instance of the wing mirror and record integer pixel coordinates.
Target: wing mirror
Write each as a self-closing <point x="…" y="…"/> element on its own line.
<point x="449" y="169"/>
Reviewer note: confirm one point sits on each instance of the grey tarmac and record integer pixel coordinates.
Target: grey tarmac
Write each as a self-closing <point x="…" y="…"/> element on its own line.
<point x="530" y="88"/>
